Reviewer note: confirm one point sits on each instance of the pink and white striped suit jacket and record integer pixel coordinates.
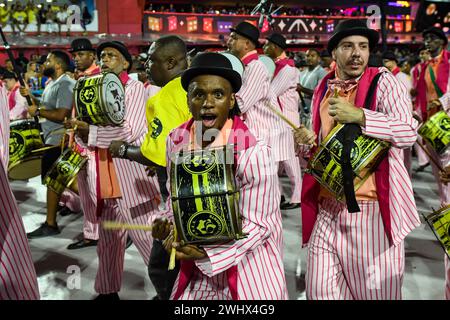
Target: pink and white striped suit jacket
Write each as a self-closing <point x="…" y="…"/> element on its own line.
<point x="393" y="122"/>
<point x="18" y="279"/>
<point x="135" y="185"/>
<point x="284" y="87"/>
<point x="260" y="270"/>
<point x="262" y="122"/>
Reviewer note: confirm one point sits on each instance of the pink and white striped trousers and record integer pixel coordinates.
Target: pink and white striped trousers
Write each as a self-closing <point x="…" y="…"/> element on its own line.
<point x="349" y="256"/>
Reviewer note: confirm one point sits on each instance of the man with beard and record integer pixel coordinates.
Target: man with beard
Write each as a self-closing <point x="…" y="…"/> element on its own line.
<point x="55" y="106"/>
<point x="356" y="248"/>
<point x="165" y="111"/>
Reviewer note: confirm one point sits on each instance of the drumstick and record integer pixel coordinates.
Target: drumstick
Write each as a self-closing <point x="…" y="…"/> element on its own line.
<point x="114" y="225"/>
<point x="173" y="252"/>
<point x="436" y="163"/>
<point x="278" y="113"/>
<point x="63" y="138"/>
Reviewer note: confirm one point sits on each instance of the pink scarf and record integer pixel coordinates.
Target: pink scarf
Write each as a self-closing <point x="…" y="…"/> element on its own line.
<point x="281" y="63"/>
<point x="396" y="71"/>
<point x="441" y="80"/>
<point x="12" y="96"/>
<point x="311" y="188"/>
<point x="249" y="57"/>
<point x="188" y="266"/>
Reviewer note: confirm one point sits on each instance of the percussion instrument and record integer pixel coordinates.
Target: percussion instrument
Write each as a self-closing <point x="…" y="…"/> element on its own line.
<point x="100" y="99"/>
<point x="436" y="131"/>
<point x="326" y="168"/>
<point x="26" y="149"/>
<point x="269" y="64"/>
<point x="204" y="196"/>
<point x="439" y="222"/>
<point x="64" y="170"/>
<point x="236" y="63"/>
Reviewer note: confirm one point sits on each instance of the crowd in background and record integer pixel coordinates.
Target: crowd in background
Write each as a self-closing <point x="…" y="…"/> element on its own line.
<point x="53" y="16"/>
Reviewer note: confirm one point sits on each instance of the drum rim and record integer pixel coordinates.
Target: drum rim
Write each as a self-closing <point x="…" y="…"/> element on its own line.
<point x="75" y="172"/>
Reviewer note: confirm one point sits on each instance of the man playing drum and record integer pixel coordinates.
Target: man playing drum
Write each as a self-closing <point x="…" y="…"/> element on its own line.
<point x="120" y="188"/>
<point x="165" y="111"/>
<point x="249" y="268"/>
<point x="356" y="251"/>
<point x="18" y="279"/>
<point x="255" y="95"/>
<point x="84" y="56"/>
<point x="284" y="85"/>
<point x="55" y="106"/>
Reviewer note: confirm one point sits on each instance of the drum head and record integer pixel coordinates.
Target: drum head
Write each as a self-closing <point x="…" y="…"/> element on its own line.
<point x="236" y="63"/>
<point x="269" y="64"/>
<point x="113" y="98"/>
<point x="25" y="169"/>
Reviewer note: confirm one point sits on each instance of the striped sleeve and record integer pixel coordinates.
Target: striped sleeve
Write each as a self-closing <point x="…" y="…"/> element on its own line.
<point x="258" y="205"/>
<point x="4" y="126"/>
<point x="393" y="119"/>
<point x="445" y="101"/>
<point x="255" y="86"/>
<point x="284" y="80"/>
<point x="134" y="125"/>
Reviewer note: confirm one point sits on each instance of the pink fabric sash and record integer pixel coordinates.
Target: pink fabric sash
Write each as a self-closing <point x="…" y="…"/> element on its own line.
<point x="249" y="58"/>
<point x="12" y="96"/>
<point x="281" y="63"/>
<point x="396" y="71"/>
<point x="311" y="188"/>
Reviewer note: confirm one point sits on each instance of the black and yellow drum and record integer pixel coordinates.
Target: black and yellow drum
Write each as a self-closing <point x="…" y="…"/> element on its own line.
<point x="325" y="165"/>
<point x="26" y="149"/>
<point x="439" y="222"/>
<point x="204" y="196"/>
<point x="100" y="99"/>
<point x="436" y="131"/>
<point x="64" y="170"/>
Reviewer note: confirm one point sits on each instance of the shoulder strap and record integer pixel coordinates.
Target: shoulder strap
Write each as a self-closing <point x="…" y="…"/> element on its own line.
<point x="371" y="91"/>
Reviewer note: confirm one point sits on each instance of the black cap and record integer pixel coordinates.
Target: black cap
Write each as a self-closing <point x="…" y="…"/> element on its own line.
<point x="352" y="27"/>
<point x="247" y="30"/>
<point x="278" y="39"/>
<point x="437" y="32"/>
<point x="81" y="44"/>
<point x="214" y="64"/>
<point x="118" y="46"/>
<point x="389" y="55"/>
<point x="9" y="75"/>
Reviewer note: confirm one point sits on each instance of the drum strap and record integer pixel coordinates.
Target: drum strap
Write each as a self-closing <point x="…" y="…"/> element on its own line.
<point x="350" y="133"/>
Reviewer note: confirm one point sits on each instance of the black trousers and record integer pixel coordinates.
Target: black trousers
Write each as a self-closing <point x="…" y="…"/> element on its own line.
<point x="162" y="279"/>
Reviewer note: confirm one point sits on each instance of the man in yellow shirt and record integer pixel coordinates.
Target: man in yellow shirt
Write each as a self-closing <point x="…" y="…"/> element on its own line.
<point x="165" y="111"/>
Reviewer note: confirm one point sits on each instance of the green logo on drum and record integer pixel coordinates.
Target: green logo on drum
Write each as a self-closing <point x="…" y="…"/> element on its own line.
<point x="336" y="153"/>
<point x="199" y="163"/>
<point x="64" y="168"/>
<point x="205" y="224"/>
<point x="445" y="124"/>
<point x="157" y="128"/>
<point x="16" y="144"/>
<point x="89" y="95"/>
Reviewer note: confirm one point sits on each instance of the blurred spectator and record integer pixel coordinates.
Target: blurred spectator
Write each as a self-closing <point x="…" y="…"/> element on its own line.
<point x="19" y="19"/>
<point x="9" y="65"/>
<point x="18" y="107"/>
<point x="61" y="17"/>
<point x="31" y="77"/>
<point x="50" y="19"/>
<point x="21" y="61"/>
<point x="86" y="18"/>
<point x="4" y="15"/>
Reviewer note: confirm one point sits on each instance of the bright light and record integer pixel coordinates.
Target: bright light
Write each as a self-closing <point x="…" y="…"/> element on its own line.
<point x="2" y="5"/>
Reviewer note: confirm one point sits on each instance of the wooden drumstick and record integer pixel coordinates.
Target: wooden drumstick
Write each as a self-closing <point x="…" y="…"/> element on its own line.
<point x="436" y="163"/>
<point x="173" y="252"/>
<point x="279" y="114"/>
<point x="114" y="225"/>
<point x="63" y="141"/>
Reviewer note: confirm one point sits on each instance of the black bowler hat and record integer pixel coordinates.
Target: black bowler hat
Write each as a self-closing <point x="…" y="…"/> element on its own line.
<point x="213" y="64"/>
<point x="248" y="31"/>
<point x="81" y="44"/>
<point x="9" y="75"/>
<point x="118" y="46"/>
<point x="389" y="55"/>
<point x="437" y="32"/>
<point x="352" y="27"/>
<point x="278" y="39"/>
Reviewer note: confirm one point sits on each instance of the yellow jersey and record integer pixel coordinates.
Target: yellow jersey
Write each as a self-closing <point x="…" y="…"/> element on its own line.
<point x="165" y="111"/>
